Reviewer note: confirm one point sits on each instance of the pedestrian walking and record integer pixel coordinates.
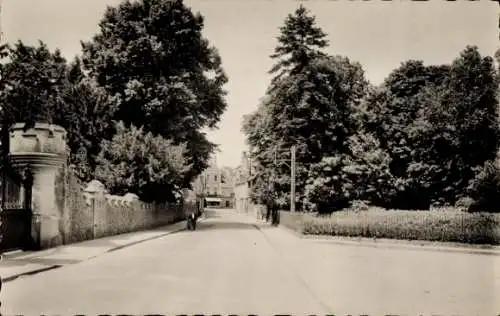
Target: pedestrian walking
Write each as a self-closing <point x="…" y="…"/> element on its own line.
<point x="271" y="197"/>
<point x="268" y="209"/>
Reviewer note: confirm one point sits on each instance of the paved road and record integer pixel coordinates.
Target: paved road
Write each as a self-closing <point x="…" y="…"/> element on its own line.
<point x="235" y="265"/>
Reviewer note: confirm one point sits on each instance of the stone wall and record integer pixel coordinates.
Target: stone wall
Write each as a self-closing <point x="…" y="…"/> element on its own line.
<point x="80" y="225"/>
<point x="66" y="210"/>
<point x="93" y="213"/>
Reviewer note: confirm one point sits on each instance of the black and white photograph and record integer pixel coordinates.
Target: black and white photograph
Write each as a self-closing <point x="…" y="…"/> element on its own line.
<point x="249" y="157"/>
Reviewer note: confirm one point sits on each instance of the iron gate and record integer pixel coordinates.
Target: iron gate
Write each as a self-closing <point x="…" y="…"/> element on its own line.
<point x="16" y="209"/>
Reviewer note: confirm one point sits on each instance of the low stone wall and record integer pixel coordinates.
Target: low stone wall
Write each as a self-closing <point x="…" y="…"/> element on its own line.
<point x="92" y="213"/>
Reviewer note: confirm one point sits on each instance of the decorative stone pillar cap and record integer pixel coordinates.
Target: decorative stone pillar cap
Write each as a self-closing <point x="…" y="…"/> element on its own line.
<point x="43" y="145"/>
<point x="95" y="186"/>
<point x="130" y="197"/>
<point x="40" y="126"/>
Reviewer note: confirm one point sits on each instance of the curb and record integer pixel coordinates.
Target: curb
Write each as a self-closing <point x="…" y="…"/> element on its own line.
<point x="403" y="244"/>
<point x="150" y="238"/>
<point x="143" y="240"/>
<point x="32" y="272"/>
<point x="53" y="267"/>
<point x="292" y="231"/>
<point x="421" y="245"/>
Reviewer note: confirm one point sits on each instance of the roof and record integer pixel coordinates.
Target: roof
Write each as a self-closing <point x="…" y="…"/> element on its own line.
<point x="209" y="199"/>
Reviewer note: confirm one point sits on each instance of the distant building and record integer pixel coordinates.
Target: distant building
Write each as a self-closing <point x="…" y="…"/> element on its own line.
<point x="244" y="175"/>
<point x="216" y="185"/>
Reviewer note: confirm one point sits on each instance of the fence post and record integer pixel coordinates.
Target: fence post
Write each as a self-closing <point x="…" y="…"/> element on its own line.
<point x="93" y="189"/>
<point x="462" y="227"/>
<point x="93" y="216"/>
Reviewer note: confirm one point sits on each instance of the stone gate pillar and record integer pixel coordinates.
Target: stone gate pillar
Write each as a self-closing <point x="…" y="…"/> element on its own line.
<point x="42" y="150"/>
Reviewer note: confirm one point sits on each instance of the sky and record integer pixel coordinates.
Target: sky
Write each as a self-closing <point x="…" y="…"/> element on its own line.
<point x="378" y="34"/>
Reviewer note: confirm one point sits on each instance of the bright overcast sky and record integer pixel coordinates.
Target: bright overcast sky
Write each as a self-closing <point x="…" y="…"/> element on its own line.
<point x="378" y="34"/>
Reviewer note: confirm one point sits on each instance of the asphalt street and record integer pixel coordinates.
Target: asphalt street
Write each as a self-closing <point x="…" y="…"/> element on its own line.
<point x="235" y="265"/>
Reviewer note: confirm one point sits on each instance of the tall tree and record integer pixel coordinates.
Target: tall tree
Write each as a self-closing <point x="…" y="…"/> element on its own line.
<point x="439" y="124"/>
<point x="394" y="107"/>
<point x="313" y="110"/>
<point x="257" y="128"/>
<point x="473" y="104"/>
<point x="169" y="79"/>
<point x="86" y="112"/>
<point x="299" y="42"/>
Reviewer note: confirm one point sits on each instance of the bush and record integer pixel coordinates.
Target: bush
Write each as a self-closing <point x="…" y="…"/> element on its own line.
<point x="150" y="166"/>
<point x="336" y="181"/>
<point x="359" y="206"/>
<point x="464" y="204"/>
<point x="443" y="226"/>
<point x="484" y="189"/>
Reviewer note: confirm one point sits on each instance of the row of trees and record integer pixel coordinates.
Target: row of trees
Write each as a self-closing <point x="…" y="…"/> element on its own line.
<point x="427" y="136"/>
<point x="134" y="103"/>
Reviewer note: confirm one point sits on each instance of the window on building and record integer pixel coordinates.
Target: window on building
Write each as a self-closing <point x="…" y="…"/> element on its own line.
<point x="215" y="178"/>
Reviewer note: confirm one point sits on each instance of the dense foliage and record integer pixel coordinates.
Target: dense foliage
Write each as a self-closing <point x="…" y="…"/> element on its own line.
<point x="134" y="161"/>
<point x="148" y="67"/>
<point x="32" y="80"/>
<point x="439" y="124"/>
<point x="86" y="114"/>
<point x="167" y="76"/>
<point x="40" y="86"/>
<point x="427" y="136"/>
<point x="300" y="42"/>
<point x="310" y="104"/>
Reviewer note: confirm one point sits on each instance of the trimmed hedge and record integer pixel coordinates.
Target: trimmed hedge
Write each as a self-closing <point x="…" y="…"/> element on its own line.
<point x="291" y="220"/>
<point x="442" y="226"/>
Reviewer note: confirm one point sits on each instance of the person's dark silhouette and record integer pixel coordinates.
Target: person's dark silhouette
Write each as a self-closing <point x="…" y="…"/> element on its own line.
<point x="275" y="214"/>
<point x="268" y="209"/>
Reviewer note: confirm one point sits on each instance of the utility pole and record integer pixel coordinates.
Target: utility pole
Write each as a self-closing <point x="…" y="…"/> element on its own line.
<point x="292" y="184"/>
<point x="293" y="169"/>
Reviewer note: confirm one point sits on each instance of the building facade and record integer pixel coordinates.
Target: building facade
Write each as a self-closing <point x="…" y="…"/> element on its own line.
<point x="216" y="185"/>
<point x="244" y="175"/>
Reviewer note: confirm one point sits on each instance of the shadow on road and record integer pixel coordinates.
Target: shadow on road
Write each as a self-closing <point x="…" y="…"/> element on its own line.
<point x="212" y="213"/>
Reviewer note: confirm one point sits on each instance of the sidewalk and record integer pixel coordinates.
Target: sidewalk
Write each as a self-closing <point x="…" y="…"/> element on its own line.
<point x="22" y="263"/>
<point x="392" y="243"/>
<point x="405" y="244"/>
